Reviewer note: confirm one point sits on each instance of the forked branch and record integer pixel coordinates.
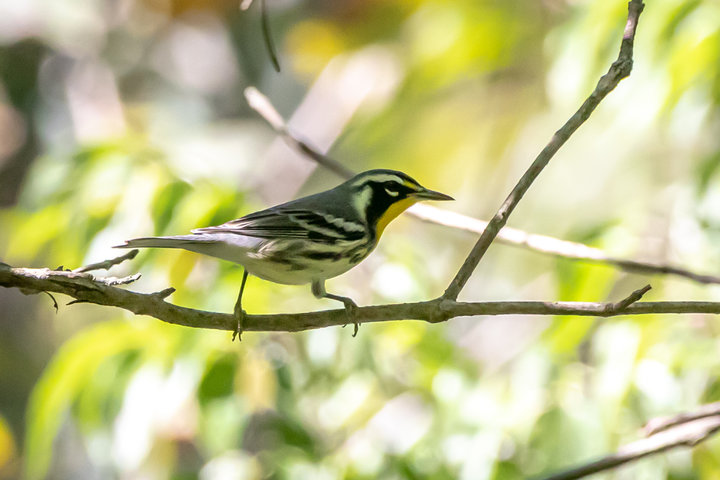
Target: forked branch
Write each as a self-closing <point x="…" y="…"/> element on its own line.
<point x="618" y="70"/>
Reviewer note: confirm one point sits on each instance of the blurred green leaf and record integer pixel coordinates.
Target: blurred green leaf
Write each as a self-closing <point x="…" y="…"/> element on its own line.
<point x="69" y="373"/>
<point x="218" y="379"/>
<point x="165" y="203"/>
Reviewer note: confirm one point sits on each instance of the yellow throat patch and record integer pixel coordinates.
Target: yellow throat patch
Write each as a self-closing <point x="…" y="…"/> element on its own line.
<point x="391" y="214"/>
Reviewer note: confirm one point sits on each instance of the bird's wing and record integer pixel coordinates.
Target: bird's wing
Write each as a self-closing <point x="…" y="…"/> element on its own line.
<point x="291" y="223"/>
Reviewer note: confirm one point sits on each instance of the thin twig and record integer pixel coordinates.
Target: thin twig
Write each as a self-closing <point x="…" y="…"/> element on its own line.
<point x="615" y="308"/>
<point x="75" y="302"/>
<point x="163" y="294"/>
<point x="107" y="264"/>
<point x="261" y="104"/>
<point x="618" y="70"/>
<point x="55" y="304"/>
<point x="554" y="246"/>
<point x="510" y="236"/>
<point x="267" y="36"/>
<point x="660" y="424"/>
<point x="687" y="434"/>
<point x="114" y="281"/>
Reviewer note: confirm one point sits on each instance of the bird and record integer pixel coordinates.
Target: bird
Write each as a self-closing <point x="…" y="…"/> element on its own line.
<point x="308" y="240"/>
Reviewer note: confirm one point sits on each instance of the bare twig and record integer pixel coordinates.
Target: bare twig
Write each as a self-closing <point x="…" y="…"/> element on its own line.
<point x="267" y="36"/>
<point x="260" y="103"/>
<point x="107" y="264"/>
<point x="55" y="304"/>
<point x="618" y="307"/>
<point x="113" y="281"/>
<point x="686" y="434"/>
<point x="163" y="294"/>
<point x="555" y="246"/>
<point x="510" y="236"/>
<point x="75" y="302"/>
<point x="618" y="70"/>
<point x="660" y="424"/>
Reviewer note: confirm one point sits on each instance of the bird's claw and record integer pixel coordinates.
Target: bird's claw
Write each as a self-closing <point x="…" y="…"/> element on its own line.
<point x="351" y="313"/>
<point x="240" y="316"/>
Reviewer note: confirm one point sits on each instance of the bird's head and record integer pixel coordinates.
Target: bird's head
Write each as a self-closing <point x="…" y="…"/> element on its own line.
<point x="381" y="195"/>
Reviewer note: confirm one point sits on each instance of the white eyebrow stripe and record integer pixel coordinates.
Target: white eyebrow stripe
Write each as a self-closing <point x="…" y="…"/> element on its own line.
<point x="378" y="178"/>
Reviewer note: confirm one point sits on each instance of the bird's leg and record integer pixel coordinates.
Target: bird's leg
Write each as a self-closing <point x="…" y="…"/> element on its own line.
<point x="238" y="311"/>
<point x="318" y="289"/>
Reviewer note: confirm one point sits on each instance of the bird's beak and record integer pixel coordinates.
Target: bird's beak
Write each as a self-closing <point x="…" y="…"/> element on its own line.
<point x="426" y="194"/>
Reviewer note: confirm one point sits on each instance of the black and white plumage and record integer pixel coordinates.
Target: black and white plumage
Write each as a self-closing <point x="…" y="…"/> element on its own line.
<point x="310" y="239"/>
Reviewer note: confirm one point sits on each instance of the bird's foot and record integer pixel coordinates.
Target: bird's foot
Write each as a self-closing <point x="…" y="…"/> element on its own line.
<point x="351" y="313"/>
<point x="239" y="314"/>
<point x="318" y="289"/>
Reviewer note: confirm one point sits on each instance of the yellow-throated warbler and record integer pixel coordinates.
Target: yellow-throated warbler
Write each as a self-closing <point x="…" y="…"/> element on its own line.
<point x="310" y="239"/>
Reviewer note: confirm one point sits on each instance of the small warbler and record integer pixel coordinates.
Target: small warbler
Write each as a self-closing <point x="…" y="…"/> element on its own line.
<point x="307" y="240"/>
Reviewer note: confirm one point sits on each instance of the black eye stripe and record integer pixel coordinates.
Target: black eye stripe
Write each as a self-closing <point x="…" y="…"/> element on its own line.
<point x="398" y="188"/>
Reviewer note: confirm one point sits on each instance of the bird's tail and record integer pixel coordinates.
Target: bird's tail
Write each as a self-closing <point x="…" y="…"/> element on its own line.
<point x="179" y="241"/>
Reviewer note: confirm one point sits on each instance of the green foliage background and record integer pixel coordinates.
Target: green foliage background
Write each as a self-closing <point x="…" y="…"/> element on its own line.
<point x="121" y="119"/>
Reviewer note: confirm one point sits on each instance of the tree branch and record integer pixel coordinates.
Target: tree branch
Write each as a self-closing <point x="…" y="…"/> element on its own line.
<point x="102" y="291"/>
<point x="618" y="70"/>
<point x="682" y="434"/>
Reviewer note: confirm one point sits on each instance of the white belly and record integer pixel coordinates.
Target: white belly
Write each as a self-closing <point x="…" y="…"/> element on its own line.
<point x="290" y="275"/>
